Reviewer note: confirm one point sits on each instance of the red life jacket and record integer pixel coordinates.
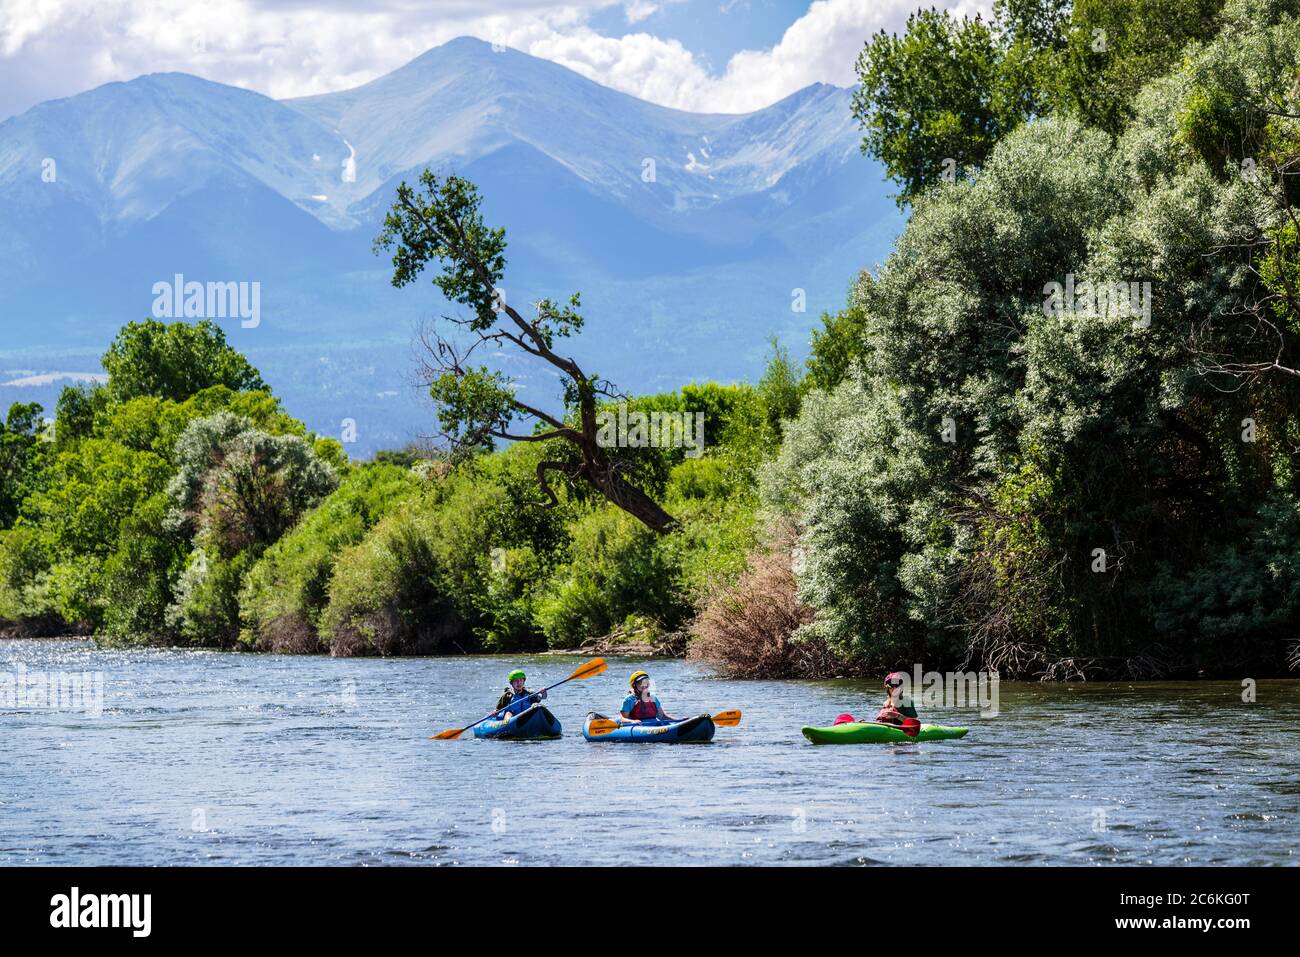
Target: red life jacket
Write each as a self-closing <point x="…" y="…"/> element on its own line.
<point x="644" y="710"/>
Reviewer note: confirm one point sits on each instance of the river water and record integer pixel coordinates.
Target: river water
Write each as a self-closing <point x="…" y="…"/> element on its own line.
<point x="195" y="757"/>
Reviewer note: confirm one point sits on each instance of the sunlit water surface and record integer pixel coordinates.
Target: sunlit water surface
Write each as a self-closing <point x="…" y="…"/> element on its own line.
<point x="210" y="758"/>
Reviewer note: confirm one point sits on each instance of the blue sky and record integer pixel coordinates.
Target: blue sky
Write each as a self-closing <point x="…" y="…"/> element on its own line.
<point x="713" y="31"/>
<point x="705" y="55"/>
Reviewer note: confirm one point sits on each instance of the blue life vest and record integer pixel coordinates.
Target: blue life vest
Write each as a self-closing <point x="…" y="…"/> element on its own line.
<point x="521" y="703"/>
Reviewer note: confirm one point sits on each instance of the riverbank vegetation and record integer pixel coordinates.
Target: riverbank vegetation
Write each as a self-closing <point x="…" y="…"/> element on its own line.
<point x="1056" y="434"/>
<point x="200" y="513"/>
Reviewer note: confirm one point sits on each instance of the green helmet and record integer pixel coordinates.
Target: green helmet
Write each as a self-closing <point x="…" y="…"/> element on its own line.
<point x="516" y="674"/>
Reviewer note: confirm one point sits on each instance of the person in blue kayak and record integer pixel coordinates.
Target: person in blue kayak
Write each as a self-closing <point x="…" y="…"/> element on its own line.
<point x="517" y="697"/>
<point x="898" y="704"/>
<point x="642" y="706"/>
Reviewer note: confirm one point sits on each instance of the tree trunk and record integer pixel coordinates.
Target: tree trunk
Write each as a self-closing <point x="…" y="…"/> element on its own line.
<point x="629" y="498"/>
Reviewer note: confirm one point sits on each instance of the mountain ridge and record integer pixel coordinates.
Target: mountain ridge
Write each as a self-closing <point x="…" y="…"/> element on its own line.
<point x="688" y="234"/>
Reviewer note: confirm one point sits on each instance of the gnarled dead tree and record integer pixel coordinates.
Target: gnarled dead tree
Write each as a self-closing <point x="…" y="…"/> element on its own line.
<point x="442" y="223"/>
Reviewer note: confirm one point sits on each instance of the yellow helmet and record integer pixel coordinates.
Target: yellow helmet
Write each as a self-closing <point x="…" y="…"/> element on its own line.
<point x="636" y="676"/>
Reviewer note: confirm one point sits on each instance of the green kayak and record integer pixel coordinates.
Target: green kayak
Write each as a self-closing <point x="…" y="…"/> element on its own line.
<point x="863" y="732"/>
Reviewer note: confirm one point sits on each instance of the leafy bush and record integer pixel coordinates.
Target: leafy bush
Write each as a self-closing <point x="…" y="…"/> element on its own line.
<point x="137" y="577"/>
<point x="617" y="568"/>
<point x="388" y="595"/>
<point x="206" y="609"/>
<point x="24" y="569"/>
<point x="509" y="601"/>
<point x="240" y="488"/>
<point x="286" y="591"/>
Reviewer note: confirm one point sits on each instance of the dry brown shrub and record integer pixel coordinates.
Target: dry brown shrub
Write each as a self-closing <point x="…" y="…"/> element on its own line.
<point x="289" y="635"/>
<point x="746" y="629"/>
<point x="387" y="632"/>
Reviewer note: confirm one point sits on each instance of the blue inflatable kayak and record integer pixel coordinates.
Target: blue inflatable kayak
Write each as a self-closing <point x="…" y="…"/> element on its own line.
<point x="536" y="722"/>
<point x="696" y="730"/>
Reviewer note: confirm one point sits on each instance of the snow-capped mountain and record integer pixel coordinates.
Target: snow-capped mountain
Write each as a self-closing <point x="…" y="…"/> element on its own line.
<point x="690" y="235"/>
<point x="463" y="101"/>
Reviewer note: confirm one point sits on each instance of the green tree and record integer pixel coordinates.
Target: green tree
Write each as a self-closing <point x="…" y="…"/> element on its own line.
<point x="476" y="405"/>
<point x="241" y="489"/>
<point x="174" y="361"/>
<point x="1055" y="486"/>
<point x="1115" y="47"/>
<point x="779" y="388"/>
<point x="934" y="101"/>
<point x="237" y="490"/>
<point x="19" y="458"/>
<point x="836" y="349"/>
<point x="93" y="490"/>
<point x="75" y="411"/>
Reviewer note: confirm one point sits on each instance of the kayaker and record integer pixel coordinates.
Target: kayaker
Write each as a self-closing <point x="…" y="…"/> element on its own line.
<point x="898" y="705"/>
<point x="641" y="706"/>
<point x="517" y="697"/>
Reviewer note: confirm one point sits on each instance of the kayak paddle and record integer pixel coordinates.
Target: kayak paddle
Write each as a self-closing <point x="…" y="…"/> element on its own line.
<point x="592" y="668"/>
<point x="723" y="719"/>
<point x="909" y="726"/>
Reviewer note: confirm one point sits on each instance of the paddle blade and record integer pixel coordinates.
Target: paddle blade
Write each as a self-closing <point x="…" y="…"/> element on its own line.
<point x="910" y="727"/>
<point x="449" y="735"/>
<point x="727" y="719"/>
<point x="601" y="726"/>
<point x="595" y="666"/>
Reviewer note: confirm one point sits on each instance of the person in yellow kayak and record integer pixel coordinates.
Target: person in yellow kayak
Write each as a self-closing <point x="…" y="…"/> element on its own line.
<point x="898" y="707"/>
<point x="517" y="698"/>
<point x="641" y="706"/>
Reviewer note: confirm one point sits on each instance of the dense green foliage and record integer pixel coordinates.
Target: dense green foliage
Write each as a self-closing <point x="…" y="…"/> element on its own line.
<point x="96" y="542"/>
<point x="20" y="451"/>
<point x="285" y="594"/>
<point x="476" y="559"/>
<point x="174" y="362"/>
<point x="148" y="513"/>
<point x="1049" y="490"/>
<point x="934" y="101"/>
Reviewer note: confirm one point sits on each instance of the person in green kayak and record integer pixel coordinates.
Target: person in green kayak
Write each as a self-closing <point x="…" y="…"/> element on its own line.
<point x="898" y="704"/>
<point x="517" y="697"/>
<point x="641" y="705"/>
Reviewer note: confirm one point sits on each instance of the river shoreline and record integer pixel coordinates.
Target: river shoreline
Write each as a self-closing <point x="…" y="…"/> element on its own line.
<point x="646" y="651"/>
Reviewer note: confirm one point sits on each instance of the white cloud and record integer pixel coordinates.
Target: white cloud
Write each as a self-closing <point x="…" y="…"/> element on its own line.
<point x="638" y="10"/>
<point x="288" y="48"/>
<point x="822" y="46"/>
